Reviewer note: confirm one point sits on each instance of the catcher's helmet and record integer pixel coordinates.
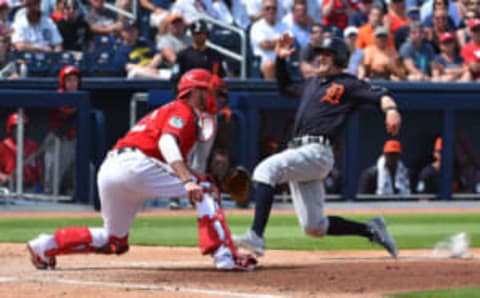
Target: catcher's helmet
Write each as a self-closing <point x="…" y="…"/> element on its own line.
<point x="339" y="49"/>
<point x="199" y="78"/>
<point x="66" y="71"/>
<point x="13" y="120"/>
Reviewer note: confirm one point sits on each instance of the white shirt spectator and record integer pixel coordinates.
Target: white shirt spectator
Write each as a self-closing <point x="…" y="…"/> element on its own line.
<point x="314" y="8"/>
<point x="236" y="15"/>
<point x="301" y="35"/>
<point x="45" y="33"/>
<point x="260" y="31"/>
<point x="188" y="9"/>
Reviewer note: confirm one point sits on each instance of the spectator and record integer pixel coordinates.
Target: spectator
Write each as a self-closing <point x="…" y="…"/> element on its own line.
<point x="440" y="25"/>
<point x="62" y="137"/>
<point x="335" y="12"/>
<point x="381" y="61"/>
<point x="136" y="57"/>
<point x="359" y="16"/>
<point x="299" y="22"/>
<point x="449" y="64"/>
<point x="174" y="40"/>
<point x="7" y="164"/>
<point x="389" y="176"/>
<point x="429" y="178"/>
<point x="401" y="35"/>
<point x="5" y="24"/>
<point x="463" y="7"/>
<point x="471" y="51"/>
<point x="32" y="169"/>
<point x="314" y="8"/>
<point x="156" y="8"/>
<point x="354" y="63"/>
<point x="219" y="166"/>
<point x="198" y="55"/>
<point x="255" y="10"/>
<point x="192" y="9"/>
<point x="232" y="12"/>
<point x="366" y="32"/>
<point x="8" y="67"/>
<point x="263" y="35"/>
<point x="428" y="8"/>
<point x="102" y="21"/>
<point x="308" y="54"/>
<point x="35" y="33"/>
<point x="417" y="55"/>
<point x="57" y="14"/>
<point x="74" y="29"/>
<point x="396" y="16"/>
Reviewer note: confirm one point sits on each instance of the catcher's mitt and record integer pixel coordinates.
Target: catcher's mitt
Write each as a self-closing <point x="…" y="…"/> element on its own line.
<point x="237" y="183"/>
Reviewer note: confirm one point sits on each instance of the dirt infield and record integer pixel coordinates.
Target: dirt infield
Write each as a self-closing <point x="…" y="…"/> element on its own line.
<point x="182" y="272"/>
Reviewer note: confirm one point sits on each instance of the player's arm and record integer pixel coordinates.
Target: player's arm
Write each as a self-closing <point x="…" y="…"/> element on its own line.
<point x="170" y="151"/>
<point x="393" y="119"/>
<point x="283" y="49"/>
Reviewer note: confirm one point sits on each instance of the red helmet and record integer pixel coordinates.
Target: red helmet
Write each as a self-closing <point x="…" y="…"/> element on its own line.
<point x="13" y="120"/>
<point x="67" y="70"/>
<point x="197" y="77"/>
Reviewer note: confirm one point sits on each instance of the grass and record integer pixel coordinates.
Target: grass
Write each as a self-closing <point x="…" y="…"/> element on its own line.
<point x="416" y="231"/>
<point x="451" y="293"/>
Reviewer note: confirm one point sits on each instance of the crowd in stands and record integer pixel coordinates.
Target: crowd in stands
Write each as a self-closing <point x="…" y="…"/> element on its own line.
<point x="414" y="40"/>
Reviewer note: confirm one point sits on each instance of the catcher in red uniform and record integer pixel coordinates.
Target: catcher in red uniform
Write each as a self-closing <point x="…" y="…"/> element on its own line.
<point x="150" y="161"/>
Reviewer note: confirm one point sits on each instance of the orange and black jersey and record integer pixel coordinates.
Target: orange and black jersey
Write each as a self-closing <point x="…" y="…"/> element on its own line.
<point x="325" y="102"/>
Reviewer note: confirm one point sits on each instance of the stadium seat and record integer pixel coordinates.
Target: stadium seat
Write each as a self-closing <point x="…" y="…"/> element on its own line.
<point x="38" y="64"/>
<point x="101" y="63"/>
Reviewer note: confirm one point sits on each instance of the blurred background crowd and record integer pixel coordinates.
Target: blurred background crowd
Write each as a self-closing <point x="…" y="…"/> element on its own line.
<point x="413" y="40"/>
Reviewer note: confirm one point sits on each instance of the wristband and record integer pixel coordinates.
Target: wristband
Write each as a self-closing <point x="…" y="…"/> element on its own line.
<point x="390" y="108"/>
<point x="191" y="179"/>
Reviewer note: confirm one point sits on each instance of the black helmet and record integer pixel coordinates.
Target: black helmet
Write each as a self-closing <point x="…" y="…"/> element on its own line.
<point x="340" y="50"/>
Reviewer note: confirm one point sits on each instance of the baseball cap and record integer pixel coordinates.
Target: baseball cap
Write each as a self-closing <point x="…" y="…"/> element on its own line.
<point x="128" y="24"/>
<point x="446" y="36"/>
<point x="199" y="26"/>
<point x="380" y="30"/>
<point x="349" y="31"/>
<point x="438" y="144"/>
<point x="473" y="23"/>
<point x="392" y="146"/>
<point x="4" y="4"/>
<point x="174" y="17"/>
<point x="413" y="12"/>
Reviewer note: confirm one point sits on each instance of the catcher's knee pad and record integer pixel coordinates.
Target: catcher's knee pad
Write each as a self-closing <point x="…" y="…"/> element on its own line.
<point x="72" y="240"/>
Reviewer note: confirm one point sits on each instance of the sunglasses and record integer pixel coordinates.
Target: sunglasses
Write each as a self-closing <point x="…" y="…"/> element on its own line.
<point x="270" y="8"/>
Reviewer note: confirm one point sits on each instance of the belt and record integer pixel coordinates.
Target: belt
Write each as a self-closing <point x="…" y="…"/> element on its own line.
<point x="126" y="149"/>
<point x="304" y="140"/>
<point x="122" y="150"/>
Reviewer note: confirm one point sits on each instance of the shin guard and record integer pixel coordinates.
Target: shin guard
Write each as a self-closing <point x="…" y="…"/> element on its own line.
<point x="75" y="240"/>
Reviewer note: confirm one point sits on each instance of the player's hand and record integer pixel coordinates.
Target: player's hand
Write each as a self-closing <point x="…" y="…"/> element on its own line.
<point x="393" y="121"/>
<point x="284" y="46"/>
<point x="194" y="191"/>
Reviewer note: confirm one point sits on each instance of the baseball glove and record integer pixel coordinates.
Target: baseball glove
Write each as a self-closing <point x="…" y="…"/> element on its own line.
<point x="237" y="184"/>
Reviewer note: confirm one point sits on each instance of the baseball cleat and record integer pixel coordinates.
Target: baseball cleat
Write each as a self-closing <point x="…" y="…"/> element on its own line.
<point x="381" y="236"/>
<point x="226" y="261"/>
<point x="251" y="242"/>
<point x="41" y="263"/>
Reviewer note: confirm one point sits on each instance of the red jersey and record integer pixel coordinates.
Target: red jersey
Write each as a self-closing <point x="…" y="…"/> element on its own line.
<point x="7" y="160"/>
<point x="177" y="118"/>
<point x="58" y="118"/>
<point x="32" y="172"/>
<point x="471" y="54"/>
<point x="339" y="15"/>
